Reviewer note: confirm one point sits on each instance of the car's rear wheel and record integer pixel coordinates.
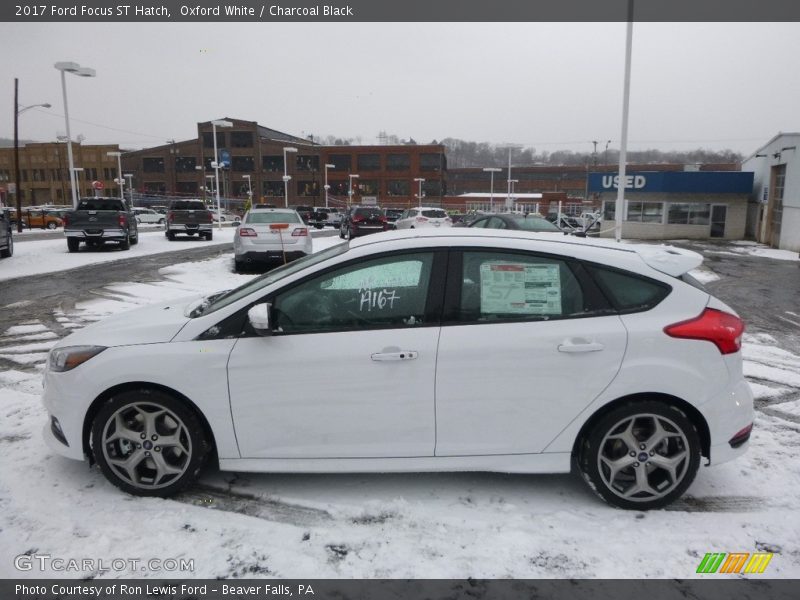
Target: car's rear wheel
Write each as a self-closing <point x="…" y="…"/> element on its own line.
<point x="9" y="250"/>
<point x="73" y="244"/>
<point x="148" y="443"/>
<point x="641" y="455"/>
<point x="171" y="236"/>
<point x="52" y="225"/>
<point x="210" y="236"/>
<point x="125" y="244"/>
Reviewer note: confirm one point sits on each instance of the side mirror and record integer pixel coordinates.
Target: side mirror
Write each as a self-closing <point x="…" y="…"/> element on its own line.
<point x="258" y="316"/>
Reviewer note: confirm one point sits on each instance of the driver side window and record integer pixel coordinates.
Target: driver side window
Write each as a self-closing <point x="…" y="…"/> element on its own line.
<point x="385" y="292"/>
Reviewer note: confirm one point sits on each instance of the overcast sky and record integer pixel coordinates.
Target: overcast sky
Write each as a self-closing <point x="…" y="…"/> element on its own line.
<point x="550" y="86"/>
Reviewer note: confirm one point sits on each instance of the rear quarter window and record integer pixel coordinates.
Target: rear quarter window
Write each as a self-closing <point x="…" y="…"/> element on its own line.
<point x="628" y="292"/>
<point x="187" y="205"/>
<point x="100" y="204"/>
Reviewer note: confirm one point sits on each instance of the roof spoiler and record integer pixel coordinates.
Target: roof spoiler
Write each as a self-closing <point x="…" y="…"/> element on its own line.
<point x="669" y="259"/>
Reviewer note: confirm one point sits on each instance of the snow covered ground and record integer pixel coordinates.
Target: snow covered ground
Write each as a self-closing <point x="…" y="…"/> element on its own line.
<point x="382" y="526"/>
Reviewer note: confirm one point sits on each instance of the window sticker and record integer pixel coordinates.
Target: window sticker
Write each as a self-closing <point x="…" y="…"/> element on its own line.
<point x="525" y="289"/>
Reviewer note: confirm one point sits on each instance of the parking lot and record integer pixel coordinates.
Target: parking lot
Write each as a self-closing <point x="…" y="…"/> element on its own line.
<point x="398" y="526"/>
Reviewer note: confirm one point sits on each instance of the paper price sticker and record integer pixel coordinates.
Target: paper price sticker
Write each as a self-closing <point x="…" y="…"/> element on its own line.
<point x="518" y="288"/>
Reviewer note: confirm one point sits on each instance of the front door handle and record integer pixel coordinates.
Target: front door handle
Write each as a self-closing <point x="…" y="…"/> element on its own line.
<point x="399" y="355"/>
<point x="575" y="347"/>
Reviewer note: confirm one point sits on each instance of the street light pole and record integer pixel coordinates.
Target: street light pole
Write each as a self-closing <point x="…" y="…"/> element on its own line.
<point x="17" y="112"/>
<point x="420" y="181"/>
<point x="75" y="69"/>
<point x="120" y="180"/>
<point x="249" y="189"/>
<point x="327" y="187"/>
<point x="286" y="177"/>
<point x="350" y="191"/>
<point x="215" y="164"/>
<point x="511" y="197"/>
<point x="129" y="177"/>
<point x="492" y="171"/>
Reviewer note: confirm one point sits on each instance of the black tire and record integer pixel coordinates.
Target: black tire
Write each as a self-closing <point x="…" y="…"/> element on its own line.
<point x="73" y="244"/>
<point x="9" y="251"/>
<point x="238" y="266"/>
<point x="135" y="239"/>
<point x="187" y="455"/>
<point x="639" y="422"/>
<point x="171" y="236"/>
<point x="161" y="221"/>
<point x="52" y="225"/>
<point x="210" y="236"/>
<point x="341" y="233"/>
<point x="125" y="244"/>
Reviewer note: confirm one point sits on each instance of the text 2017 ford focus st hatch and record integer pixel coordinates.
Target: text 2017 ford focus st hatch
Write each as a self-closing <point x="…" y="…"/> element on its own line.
<point x="468" y="349"/>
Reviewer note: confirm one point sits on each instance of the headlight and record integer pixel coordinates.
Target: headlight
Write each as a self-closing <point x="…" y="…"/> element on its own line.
<point x="69" y="357"/>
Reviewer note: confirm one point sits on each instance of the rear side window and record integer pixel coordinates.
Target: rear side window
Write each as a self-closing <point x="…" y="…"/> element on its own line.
<point x="368" y="212"/>
<point x="628" y="292"/>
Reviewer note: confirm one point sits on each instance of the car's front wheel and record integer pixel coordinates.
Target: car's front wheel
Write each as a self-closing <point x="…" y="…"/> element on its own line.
<point x="641" y="455"/>
<point x="148" y="443"/>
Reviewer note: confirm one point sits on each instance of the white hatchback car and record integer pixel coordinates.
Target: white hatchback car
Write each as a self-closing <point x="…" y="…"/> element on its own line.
<point x="471" y="349"/>
<point x="423" y="216"/>
<point x="270" y="236"/>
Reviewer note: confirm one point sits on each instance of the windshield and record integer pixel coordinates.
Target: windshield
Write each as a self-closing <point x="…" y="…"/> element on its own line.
<point x="220" y="300"/>
<point x="535" y="223"/>
<point x="273" y="217"/>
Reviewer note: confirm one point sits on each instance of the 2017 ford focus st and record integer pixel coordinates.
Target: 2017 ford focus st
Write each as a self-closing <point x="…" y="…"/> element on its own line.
<point x="468" y="350"/>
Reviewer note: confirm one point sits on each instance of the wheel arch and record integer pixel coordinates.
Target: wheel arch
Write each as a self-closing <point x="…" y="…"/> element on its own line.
<point x="694" y="415"/>
<point x="98" y="402"/>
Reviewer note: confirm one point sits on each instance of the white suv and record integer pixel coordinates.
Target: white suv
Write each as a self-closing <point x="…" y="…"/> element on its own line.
<point x="423" y="216"/>
<point x="516" y="353"/>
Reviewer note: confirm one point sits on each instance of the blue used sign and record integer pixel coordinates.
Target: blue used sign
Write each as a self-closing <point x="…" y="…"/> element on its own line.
<point x="675" y="182"/>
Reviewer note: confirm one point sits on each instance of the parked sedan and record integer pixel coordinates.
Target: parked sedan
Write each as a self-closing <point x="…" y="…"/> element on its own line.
<point x="423" y="216"/>
<point x="270" y="236"/>
<point x="517" y="353"/>
<point x="529" y="222"/>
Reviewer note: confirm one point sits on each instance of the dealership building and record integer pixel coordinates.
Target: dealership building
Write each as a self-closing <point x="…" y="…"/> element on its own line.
<point x="690" y="204"/>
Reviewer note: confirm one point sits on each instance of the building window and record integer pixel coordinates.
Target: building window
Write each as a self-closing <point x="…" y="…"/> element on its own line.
<point x="432" y="188"/>
<point x="430" y="162"/>
<point x="153" y="165"/>
<point x="688" y="214"/>
<point x="208" y="139"/>
<point x="369" y="162"/>
<point x="185" y="164"/>
<point x="367" y="187"/>
<point x="307" y="163"/>
<point x="398" y="187"/>
<point x="243" y="164"/>
<point x="645" y="212"/>
<point x="155" y="187"/>
<point x="241" y="139"/>
<point x="272" y="164"/>
<point x="307" y="188"/>
<point x="398" y="162"/>
<point x="273" y="188"/>
<point x="341" y="162"/>
<point x="186" y="187"/>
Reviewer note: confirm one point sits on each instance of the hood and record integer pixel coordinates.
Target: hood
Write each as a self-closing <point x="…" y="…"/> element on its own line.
<point x="147" y="325"/>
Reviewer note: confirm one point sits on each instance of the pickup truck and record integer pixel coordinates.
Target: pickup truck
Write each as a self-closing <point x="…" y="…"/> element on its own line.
<point x="99" y="220"/>
<point x="190" y="217"/>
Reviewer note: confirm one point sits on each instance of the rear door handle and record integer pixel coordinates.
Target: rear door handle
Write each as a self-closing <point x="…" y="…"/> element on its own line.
<point x="575" y="348"/>
<point x="400" y="355"/>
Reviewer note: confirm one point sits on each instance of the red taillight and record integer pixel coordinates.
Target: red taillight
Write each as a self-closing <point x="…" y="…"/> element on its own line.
<point x="123" y="220"/>
<point x="247" y="232"/>
<point x="210" y="217"/>
<point x="300" y="231"/>
<point x="171" y="217"/>
<point x="723" y="329"/>
<point x="66" y="220"/>
<point x="358" y="219"/>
